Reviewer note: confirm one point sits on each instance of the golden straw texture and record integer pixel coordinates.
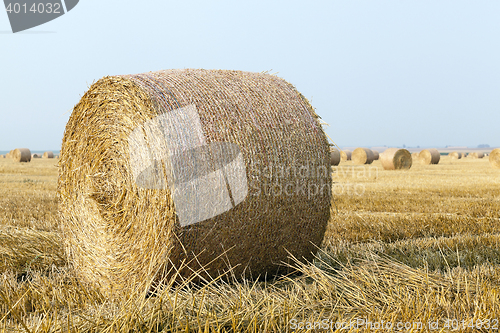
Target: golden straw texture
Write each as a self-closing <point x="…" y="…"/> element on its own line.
<point x="396" y="159"/>
<point x="376" y="155"/>
<point x="345" y="155"/>
<point x="334" y="156"/>
<point x="21" y="155"/>
<point x="429" y="156"/>
<point x="455" y="155"/>
<point x="124" y="229"/>
<point x="495" y="158"/>
<point x="362" y="156"/>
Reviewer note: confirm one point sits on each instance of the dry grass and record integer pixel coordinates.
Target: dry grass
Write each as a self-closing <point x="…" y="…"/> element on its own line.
<point x="409" y="246"/>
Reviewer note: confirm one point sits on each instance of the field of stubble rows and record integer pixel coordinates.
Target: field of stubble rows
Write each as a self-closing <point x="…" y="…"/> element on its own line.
<point x="405" y="250"/>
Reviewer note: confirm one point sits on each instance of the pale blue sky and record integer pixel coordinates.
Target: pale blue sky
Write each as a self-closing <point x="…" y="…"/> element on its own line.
<point x="379" y="72"/>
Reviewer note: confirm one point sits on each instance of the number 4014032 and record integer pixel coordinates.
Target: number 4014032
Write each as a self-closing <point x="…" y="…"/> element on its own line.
<point x="36" y="8"/>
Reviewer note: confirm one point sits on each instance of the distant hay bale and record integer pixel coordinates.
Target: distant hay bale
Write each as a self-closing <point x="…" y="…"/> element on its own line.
<point x="2" y="156"/>
<point x="334" y="156"/>
<point x="455" y="155"/>
<point x="495" y="158"/>
<point x="48" y="154"/>
<point x="345" y="155"/>
<point x="376" y="155"/>
<point x="36" y="156"/>
<point x="207" y="167"/>
<point x="476" y="155"/>
<point x="429" y="156"/>
<point x="396" y="159"/>
<point x="21" y="155"/>
<point x="362" y="156"/>
<point x="415" y="157"/>
<point x="9" y="154"/>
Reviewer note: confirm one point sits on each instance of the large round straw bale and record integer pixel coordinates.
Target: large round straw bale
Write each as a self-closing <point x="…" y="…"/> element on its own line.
<point x="455" y="155"/>
<point x="345" y="155"/>
<point x="21" y="155"/>
<point x="212" y="168"/>
<point x="362" y="156"/>
<point x="396" y="159"/>
<point x="48" y="154"/>
<point x="429" y="156"/>
<point x="376" y="155"/>
<point x="480" y="154"/>
<point x="495" y="158"/>
<point x="36" y="156"/>
<point x="334" y="156"/>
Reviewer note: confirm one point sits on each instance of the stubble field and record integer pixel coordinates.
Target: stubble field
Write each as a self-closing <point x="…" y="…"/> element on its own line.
<point x="405" y="250"/>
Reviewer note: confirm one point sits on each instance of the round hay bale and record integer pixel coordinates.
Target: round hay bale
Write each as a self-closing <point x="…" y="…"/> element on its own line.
<point x="396" y="159"/>
<point x="429" y="156"/>
<point x="345" y="155"/>
<point x="21" y="155"/>
<point x="212" y="168"/>
<point x="376" y="155"/>
<point x="334" y="157"/>
<point x="36" y="156"/>
<point x="362" y="156"/>
<point x="415" y="157"/>
<point x="495" y="158"/>
<point x="480" y="154"/>
<point x="455" y="155"/>
<point x="2" y="156"/>
<point x="48" y="154"/>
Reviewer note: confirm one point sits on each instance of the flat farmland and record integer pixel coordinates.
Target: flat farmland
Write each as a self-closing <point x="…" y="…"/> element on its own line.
<point x="418" y="250"/>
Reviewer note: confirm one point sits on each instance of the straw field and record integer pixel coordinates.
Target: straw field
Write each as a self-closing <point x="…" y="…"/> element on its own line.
<point x="413" y="246"/>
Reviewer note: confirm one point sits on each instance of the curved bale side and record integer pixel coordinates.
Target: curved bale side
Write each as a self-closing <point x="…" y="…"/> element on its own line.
<point x="362" y="156"/>
<point x="480" y="154"/>
<point x="207" y="167"/>
<point x="455" y="155"/>
<point x="21" y="155"/>
<point x="429" y="156"/>
<point x="396" y="159"/>
<point x="334" y="157"/>
<point x="495" y="158"/>
<point x="345" y="155"/>
<point x="2" y="156"/>
<point x="35" y="156"/>
<point x="48" y="154"/>
<point x="376" y="155"/>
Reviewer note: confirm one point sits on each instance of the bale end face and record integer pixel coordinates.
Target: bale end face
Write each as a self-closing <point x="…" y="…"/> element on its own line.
<point x="396" y="159"/>
<point x="362" y="156"/>
<point x="48" y="154"/>
<point x="21" y="155"/>
<point x="495" y="158"/>
<point x="345" y="155"/>
<point x="429" y="156"/>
